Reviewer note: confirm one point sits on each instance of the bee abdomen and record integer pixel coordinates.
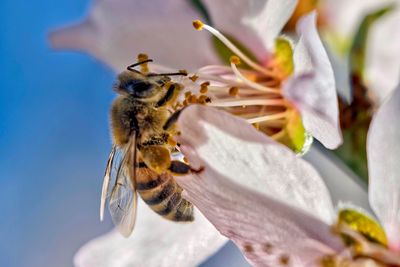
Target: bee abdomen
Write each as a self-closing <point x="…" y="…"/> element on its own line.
<point x="164" y="196"/>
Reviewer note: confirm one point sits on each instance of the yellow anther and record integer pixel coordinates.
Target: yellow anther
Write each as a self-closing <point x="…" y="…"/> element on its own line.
<point x="204" y="87"/>
<point x="204" y="90"/>
<point x="234" y="91"/>
<point x="198" y="25"/>
<point x="194" y="78"/>
<point x="192" y="99"/>
<point x="235" y="60"/>
<point x="203" y="99"/>
<point x="187" y="94"/>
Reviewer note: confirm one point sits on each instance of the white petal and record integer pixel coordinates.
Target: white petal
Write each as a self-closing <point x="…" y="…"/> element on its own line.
<point x="382" y="66"/>
<point x="383" y="147"/>
<point x="312" y="88"/>
<point x="343" y="16"/>
<point x="227" y="18"/>
<point x="267" y="18"/>
<point x="116" y="31"/>
<point x="255" y="191"/>
<point x="343" y="184"/>
<point x="256" y="23"/>
<point x="155" y="242"/>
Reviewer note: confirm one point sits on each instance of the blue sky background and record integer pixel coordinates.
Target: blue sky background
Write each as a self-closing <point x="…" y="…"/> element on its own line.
<point x="54" y="139"/>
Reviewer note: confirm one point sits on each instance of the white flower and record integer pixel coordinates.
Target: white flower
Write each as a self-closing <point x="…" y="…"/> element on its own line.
<point x="289" y="82"/>
<point x="274" y="205"/>
<point x="382" y="65"/>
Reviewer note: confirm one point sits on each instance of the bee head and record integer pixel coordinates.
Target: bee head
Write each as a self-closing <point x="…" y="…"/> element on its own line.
<point x="136" y="84"/>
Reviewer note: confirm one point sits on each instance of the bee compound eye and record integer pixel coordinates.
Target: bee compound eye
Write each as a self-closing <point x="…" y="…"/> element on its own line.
<point x="138" y="88"/>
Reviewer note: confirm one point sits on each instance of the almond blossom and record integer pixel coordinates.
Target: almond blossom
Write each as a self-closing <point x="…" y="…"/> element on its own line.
<point x="382" y="63"/>
<point x="274" y="205"/>
<point x="294" y="87"/>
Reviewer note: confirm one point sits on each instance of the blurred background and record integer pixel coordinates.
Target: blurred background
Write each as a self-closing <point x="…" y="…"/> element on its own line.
<point x="54" y="139"/>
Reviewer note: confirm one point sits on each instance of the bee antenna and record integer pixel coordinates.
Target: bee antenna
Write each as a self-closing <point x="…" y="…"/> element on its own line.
<point x="168" y="74"/>
<point x="138" y="64"/>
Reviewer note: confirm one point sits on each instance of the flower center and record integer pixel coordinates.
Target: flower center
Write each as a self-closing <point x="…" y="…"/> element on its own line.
<point x="365" y="241"/>
<point x="252" y="91"/>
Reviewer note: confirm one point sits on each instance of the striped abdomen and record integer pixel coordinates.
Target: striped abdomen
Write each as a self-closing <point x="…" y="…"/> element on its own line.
<point x="163" y="195"/>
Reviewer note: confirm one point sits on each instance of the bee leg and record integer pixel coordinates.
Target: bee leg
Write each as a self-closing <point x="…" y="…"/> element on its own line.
<point x="178" y="168"/>
<point x="172" y="120"/>
<point x="172" y="93"/>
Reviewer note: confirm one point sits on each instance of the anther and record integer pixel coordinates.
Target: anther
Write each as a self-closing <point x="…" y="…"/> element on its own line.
<point x="234" y="91"/>
<point x="192" y="99"/>
<point x="194" y="77"/>
<point x="198" y="25"/>
<point x="204" y="87"/>
<point x="188" y="94"/>
<point x="235" y="60"/>
<point x="203" y="99"/>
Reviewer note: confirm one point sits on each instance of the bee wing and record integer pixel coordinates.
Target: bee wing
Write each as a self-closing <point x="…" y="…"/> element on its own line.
<point x="106" y="181"/>
<point x="121" y="172"/>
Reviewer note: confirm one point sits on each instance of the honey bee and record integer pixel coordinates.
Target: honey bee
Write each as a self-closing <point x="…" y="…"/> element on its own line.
<point x="142" y="124"/>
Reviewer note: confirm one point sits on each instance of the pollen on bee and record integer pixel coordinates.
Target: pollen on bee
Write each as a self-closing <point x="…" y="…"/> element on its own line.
<point x="234" y="91"/>
<point x="171" y="141"/>
<point x="194" y="77"/>
<point x="142" y="57"/>
<point x="185" y="160"/>
<point x="235" y="60"/>
<point x="198" y="25"/>
<point x="143" y="67"/>
<point x="256" y="125"/>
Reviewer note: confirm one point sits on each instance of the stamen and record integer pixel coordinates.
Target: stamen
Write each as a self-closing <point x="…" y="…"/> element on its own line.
<point x="276" y="116"/>
<point x="252" y="84"/>
<point x="249" y="102"/>
<point x="200" y="25"/>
